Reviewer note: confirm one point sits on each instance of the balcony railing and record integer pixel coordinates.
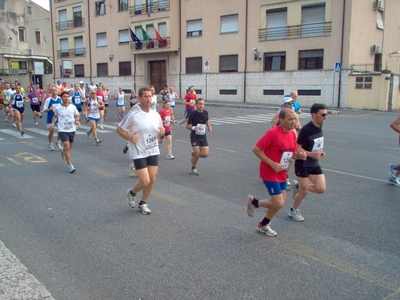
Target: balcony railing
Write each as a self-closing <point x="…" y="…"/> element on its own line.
<point x="149" y="8"/>
<point x="79" y="22"/>
<point x="365" y="68"/>
<point x="150" y="45"/>
<point x="71" y="52"/>
<point x="294" y="32"/>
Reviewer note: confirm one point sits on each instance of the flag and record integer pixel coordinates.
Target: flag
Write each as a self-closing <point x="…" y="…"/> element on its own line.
<point x="135" y="39"/>
<point x="160" y="39"/>
<point x="145" y="37"/>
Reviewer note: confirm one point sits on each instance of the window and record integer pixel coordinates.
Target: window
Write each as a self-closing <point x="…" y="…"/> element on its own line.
<point x="62" y="19"/>
<point x="275" y="61"/>
<point x="194" y="28"/>
<point x="309" y="92"/>
<point x="64" y="47"/>
<point x="79" y="48"/>
<point x="29" y="10"/>
<point x="228" y="92"/>
<point x="229" y="24"/>
<point x="101" y="39"/>
<point x="138" y="7"/>
<point x="276" y="24"/>
<point x="23" y="65"/>
<point x="38" y="37"/>
<point x="21" y="34"/>
<point x="150" y="31"/>
<point x="228" y="63"/>
<point x="77" y="15"/>
<point x="379" y="20"/>
<point x="162" y="4"/>
<point x="100" y="8"/>
<point x="102" y="69"/>
<point x="273" y="92"/>
<point x="123" y="5"/>
<point x="123" y="36"/>
<point x="194" y="65"/>
<point x="1" y="4"/>
<point x="125" y="68"/>
<point x="312" y="20"/>
<point x="311" y="59"/>
<point x="79" y="70"/>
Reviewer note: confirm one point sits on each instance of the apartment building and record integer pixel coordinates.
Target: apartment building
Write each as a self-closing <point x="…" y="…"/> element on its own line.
<point x="25" y="42"/>
<point x="344" y="53"/>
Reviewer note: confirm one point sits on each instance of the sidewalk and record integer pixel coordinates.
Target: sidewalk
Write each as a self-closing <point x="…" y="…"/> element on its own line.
<point x="15" y="280"/>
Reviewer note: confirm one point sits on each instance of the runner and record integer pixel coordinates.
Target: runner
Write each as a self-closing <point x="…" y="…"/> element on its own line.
<point x="274" y="149"/>
<point x="35" y="98"/>
<point x="120" y="102"/>
<point x="394" y="170"/>
<point x="94" y="104"/>
<point x="167" y="117"/>
<point x="189" y="102"/>
<point x="100" y="97"/>
<point x="68" y="118"/>
<point x="48" y="107"/>
<point x="142" y="128"/>
<point x="77" y="99"/>
<point x="197" y="124"/>
<point x="18" y="104"/>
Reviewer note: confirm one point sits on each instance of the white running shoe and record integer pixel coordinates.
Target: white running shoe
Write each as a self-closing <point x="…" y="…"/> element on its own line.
<point x="393" y="170"/>
<point x="97" y="141"/>
<point x="295" y="215"/>
<point x="144" y="209"/>
<point x="170" y="156"/>
<point x="14" y="124"/>
<point x="72" y="169"/>
<point x="250" y="208"/>
<point x="266" y="229"/>
<point x="194" y="171"/>
<point x="101" y="127"/>
<point x="36" y="123"/>
<point x="59" y="146"/>
<point x="130" y="199"/>
<point x="288" y="184"/>
<point x="51" y="147"/>
<point x="394" y="181"/>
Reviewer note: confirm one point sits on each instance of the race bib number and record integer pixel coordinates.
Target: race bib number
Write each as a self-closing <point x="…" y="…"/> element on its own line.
<point x="35" y="100"/>
<point x="285" y="159"/>
<point x="68" y="124"/>
<point x="201" y="130"/>
<point x="192" y="102"/>
<point x="318" y="144"/>
<point x="150" y="140"/>
<point x="168" y="119"/>
<point x="77" y="100"/>
<point x="19" y="104"/>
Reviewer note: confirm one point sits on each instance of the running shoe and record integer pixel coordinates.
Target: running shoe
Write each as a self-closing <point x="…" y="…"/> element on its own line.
<point x="130" y="199"/>
<point x="288" y="184"/>
<point x="22" y="132"/>
<point x="295" y="215"/>
<point x="250" y="208"/>
<point x="97" y="141"/>
<point x="170" y="156"/>
<point x="59" y="145"/>
<point x="72" y="169"/>
<point x="36" y="123"/>
<point x="14" y="124"/>
<point x="179" y="124"/>
<point x="62" y="153"/>
<point x="40" y="116"/>
<point x="126" y="148"/>
<point x="393" y="171"/>
<point x="101" y="127"/>
<point x="295" y="189"/>
<point x="266" y="229"/>
<point x="394" y="181"/>
<point x="88" y="134"/>
<point x="51" y="147"/>
<point x="6" y="119"/>
<point x="194" y="171"/>
<point x="144" y="209"/>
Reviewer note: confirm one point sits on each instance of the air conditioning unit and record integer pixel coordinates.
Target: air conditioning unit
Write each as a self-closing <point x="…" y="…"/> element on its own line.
<point x="375" y="49"/>
<point x="378" y="4"/>
<point x="29" y="51"/>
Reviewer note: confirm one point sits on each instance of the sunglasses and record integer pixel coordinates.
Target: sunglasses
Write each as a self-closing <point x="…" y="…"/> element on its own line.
<point x="324" y="115"/>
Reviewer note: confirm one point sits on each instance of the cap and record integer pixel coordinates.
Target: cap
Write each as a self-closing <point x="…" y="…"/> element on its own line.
<point x="81" y="82"/>
<point x="33" y="86"/>
<point x="287" y="100"/>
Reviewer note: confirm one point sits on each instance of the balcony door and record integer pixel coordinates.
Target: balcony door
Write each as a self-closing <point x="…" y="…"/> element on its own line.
<point x="158" y="74"/>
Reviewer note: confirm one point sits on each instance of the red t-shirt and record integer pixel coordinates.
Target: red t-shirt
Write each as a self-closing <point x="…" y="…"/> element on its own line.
<point x="166" y="115"/>
<point x="276" y="144"/>
<point x="189" y="98"/>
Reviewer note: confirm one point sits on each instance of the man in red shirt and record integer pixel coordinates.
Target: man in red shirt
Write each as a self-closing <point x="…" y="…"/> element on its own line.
<point x="167" y="117"/>
<point x="275" y="149"/>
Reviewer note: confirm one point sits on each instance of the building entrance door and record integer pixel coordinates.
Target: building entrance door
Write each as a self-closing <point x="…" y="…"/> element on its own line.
<point x="158" y="74"/>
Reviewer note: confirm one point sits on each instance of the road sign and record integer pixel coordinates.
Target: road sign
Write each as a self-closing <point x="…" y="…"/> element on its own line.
<point x="206" y="67"/>
<point x="338" y="67"/>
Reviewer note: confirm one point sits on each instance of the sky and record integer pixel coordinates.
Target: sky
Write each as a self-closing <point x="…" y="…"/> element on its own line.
<point x="43" y="3"/>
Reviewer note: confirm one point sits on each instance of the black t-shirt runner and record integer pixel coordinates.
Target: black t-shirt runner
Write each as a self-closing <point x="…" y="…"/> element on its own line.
<point x="198" y="119"/>
<point x="310" y="139"/>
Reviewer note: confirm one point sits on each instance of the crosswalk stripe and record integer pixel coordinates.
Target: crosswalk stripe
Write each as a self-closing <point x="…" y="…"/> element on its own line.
<point x="16" y="134"/>
<point x="109" y="126"/>
<point x="98" y="129"/>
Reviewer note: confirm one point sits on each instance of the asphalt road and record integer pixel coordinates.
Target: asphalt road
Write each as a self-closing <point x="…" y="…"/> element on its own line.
<point x="77" y="236"/>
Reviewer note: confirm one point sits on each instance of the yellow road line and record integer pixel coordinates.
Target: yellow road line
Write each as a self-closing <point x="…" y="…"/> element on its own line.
<point x="168" y="198"/>
<point x="101" y="172"/>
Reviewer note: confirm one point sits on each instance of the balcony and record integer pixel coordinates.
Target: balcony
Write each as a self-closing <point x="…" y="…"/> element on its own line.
<point x="79" y="22"/>
<point x="71" y="52"/>
<point x="295" y="32"/>
<point x="150" y="45"/>
<point x="153" y="7"/>
<point x="365" y="68"/>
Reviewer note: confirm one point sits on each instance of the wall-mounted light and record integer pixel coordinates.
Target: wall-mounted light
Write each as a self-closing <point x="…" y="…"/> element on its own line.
<point x="257" y="55"/>
<point x="110" y="56"/>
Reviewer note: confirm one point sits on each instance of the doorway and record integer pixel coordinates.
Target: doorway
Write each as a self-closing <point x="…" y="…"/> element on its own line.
<point x="158" y="74"/>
